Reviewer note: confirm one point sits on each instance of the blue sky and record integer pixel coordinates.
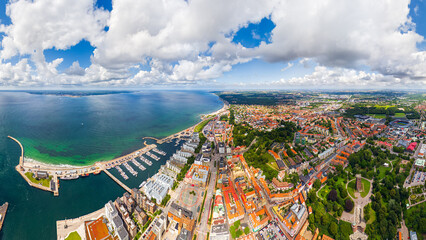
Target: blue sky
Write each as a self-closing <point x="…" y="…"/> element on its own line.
<point x="260" y="47"/>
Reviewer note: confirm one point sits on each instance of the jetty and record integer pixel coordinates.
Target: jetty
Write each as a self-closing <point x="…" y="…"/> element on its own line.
<point x="118" y="181"/>
<point x="53" y="186"/>
<point x="137" y="164"/>
<point x="156" y="150"/>
<point x="153" y="156"/>
<point x="149" y="163"/>
<point x="3" y="210"/>
<point x="21" y="158"/>
<point x="130" y="169"/>
<point x="46" y="176"/>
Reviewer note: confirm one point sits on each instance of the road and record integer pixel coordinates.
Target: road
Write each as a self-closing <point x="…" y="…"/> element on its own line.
<point x="203" y="226"/>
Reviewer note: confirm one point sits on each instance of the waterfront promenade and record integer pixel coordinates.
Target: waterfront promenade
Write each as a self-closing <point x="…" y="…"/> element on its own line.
<point x="67" y="226"/>
<point x="118" y="181"/>
<point x="72" y="172"/>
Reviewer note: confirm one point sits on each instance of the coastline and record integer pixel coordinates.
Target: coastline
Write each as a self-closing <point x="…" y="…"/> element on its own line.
<point x="42" y="164"/>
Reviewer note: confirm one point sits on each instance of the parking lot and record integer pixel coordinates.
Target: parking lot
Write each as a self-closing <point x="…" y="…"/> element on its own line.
<point x="271" y="231"/>
<point x="418" y="178"/>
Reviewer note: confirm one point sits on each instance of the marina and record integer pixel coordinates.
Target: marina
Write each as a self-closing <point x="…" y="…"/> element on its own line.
<point x="137" y="164"/>
<point x="122" y="173"/>
<point x="153" y="156"/>
<point x="156" y="150"/>
<point x="149" y="163"/>
<point x="3" y="210"/>
<point x="77" y="149"/>
<point x="130" y="169"/>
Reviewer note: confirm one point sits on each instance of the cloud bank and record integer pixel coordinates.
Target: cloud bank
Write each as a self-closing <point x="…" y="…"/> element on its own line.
<point x="174" y="42"/>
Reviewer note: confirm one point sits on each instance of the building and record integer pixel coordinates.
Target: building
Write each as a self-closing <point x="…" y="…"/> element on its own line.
<point x="281" y="185"/>
<point x="140" y="215"/>
<point x="97" y="230"/>
<point x="326" y="153"/>
<point x="158" y="187"/>
<point x="293" y="220"/>
<point x="147" y="205"/>
<point x="259" y="219"/>
<point x="197" y="175"/>
<point x="413" y="235"/>
<point x="221" y="147"/>
<point x="419" y="163"/>
<point x="110" y="211"/>
<point x="159" y="226"/>
<point x="42" y="175"/>
<point x="184" y="217"/>
<point x="412" y="147"/>
<point x="359" y="187"/>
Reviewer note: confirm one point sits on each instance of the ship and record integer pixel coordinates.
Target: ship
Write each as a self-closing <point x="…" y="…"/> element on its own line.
<point x="84" y="175"/>
<point x="3" y="210"/>
<point x="69" y="177"/>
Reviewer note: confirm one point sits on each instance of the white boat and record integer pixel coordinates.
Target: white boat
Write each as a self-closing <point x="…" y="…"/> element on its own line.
<point x="122" y="173"/>
<point x="156" y="150"/>
<point x="130" y="169"/>
<point x="149" y="163"/>
<point x="153" y="156"/>
<point x="137" y="164"/>
<point x="69" y="177"/>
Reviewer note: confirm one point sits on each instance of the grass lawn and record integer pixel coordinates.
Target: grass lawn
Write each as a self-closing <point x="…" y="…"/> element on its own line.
<point x="44" y="182"/>
<point x="323" y="193"/>
<point x="366" y="186"/>
<point x="351" y="188"/>
<point x="380" y="116"/>
<point x="384" y="106"/>
<point x="201" y="125"/>
<point x="273" y="166"/>
<point x="400" y="115"/>
<point x="269" y="157"/>
<point x="73" y="236"/>
<point x="372" y="216"/>
<point x="382" y="170"/>
<point x="339" y="181"/>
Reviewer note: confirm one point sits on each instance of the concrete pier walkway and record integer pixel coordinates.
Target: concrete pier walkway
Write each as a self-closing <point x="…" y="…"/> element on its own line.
<point x="118" y="181"/>
<point x="21" y="158"/>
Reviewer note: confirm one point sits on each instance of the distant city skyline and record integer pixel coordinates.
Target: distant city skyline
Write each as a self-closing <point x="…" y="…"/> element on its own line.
<point x="213" y="45"/>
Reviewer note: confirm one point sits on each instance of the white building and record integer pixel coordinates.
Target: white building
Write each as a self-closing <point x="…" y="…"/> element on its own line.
<point x="158" y="187"/>
<point x="116" y="222"/>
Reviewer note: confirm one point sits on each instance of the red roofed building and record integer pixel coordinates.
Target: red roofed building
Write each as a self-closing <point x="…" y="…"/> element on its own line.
<point x="412" y="146"/>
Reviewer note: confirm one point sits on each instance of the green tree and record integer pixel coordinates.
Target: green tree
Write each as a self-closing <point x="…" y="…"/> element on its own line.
<point x="317" y="184"/>
<point x="349" y="205"/>
<point x="333" y="228"/>
<point x="332" y="195"/>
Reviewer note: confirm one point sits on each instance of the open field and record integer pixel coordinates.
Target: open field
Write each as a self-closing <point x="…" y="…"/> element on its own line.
<point x="399" y="115"/>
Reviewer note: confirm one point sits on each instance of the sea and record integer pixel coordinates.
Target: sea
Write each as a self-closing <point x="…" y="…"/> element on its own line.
<point x="80" y="128"/>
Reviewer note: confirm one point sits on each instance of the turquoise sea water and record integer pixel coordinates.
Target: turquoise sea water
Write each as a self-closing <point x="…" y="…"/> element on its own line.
<point x="79" y="131"/>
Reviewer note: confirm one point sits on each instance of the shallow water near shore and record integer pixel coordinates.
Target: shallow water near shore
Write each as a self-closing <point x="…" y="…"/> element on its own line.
<point x="51" y="130"/>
